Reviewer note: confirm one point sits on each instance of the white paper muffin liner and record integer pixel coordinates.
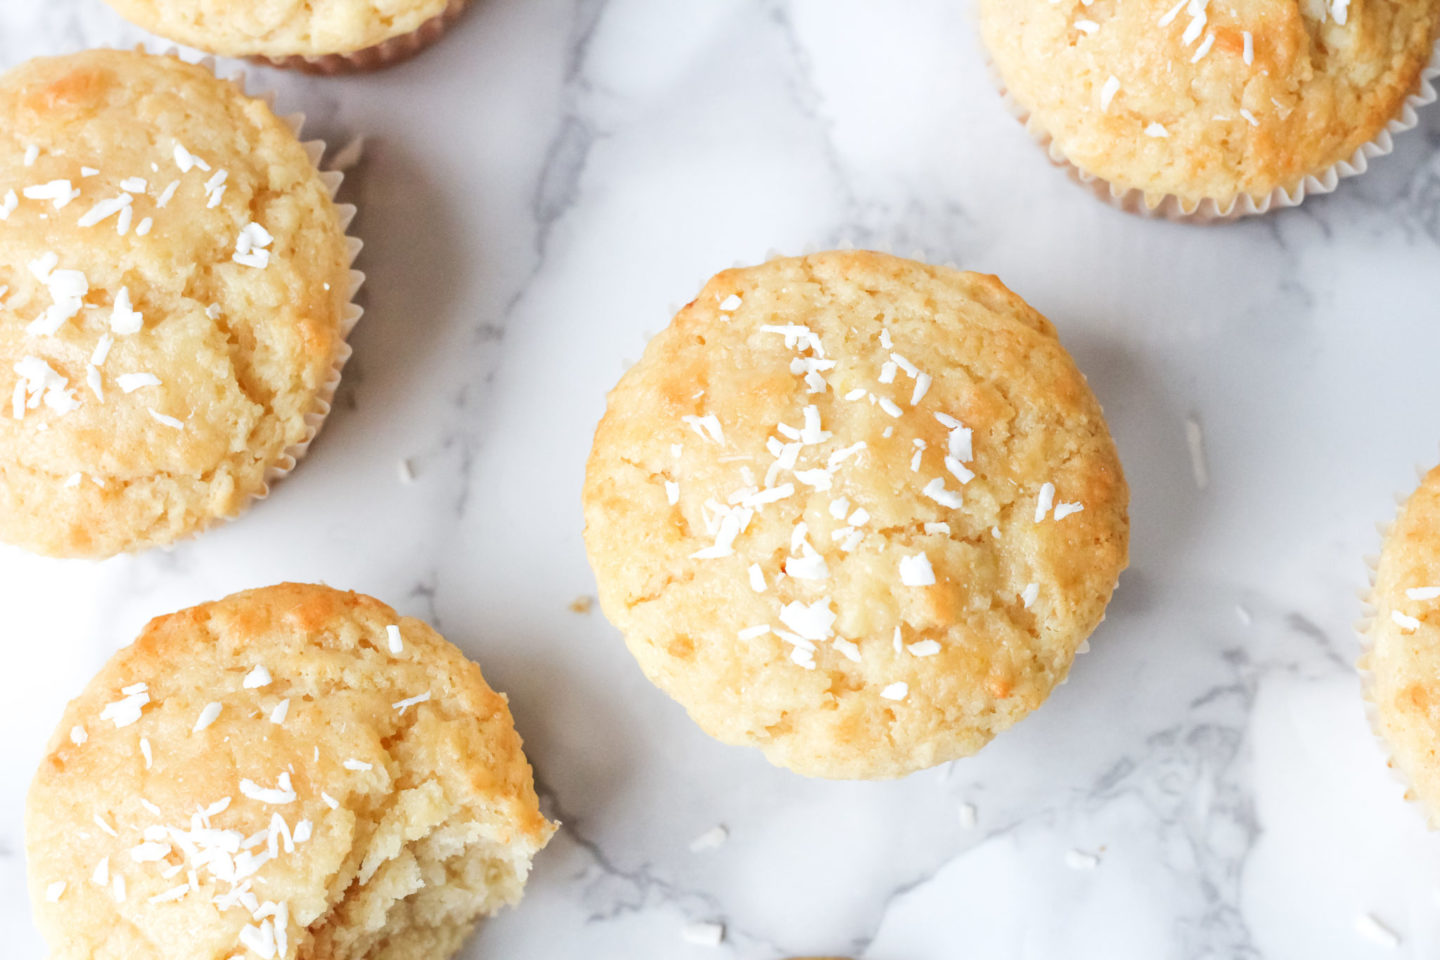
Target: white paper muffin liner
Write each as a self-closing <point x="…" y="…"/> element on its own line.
<point x="1173" y="208"/>
<point x="381" y="55"/>
<point x="1363" y="626"/>
<point x="325" y="397"/>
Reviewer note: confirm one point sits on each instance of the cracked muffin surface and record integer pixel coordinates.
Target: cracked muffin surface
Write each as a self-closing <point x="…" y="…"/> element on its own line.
<point x="291" y="773"/>
<point x="174" y="286"/>
<point x="856" y="511"/>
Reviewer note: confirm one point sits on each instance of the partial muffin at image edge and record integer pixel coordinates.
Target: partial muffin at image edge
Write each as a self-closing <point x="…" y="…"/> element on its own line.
<point x="1401" y="663"/>
<point x="175" y="293"/>
<point x="294" y="772"/>
<point x="856" y="511"/>
<point x="1204" y="110"/>
<point x="340" y="36"/>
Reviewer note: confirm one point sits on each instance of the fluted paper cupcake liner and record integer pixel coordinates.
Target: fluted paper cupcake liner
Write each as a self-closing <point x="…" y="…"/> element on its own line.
<point x="1170" y="207"/>
<point x="381" y="55"/>
<point x="324" y="399"/>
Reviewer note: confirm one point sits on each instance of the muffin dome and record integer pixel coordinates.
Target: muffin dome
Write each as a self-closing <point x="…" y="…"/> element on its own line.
<point x="856" y="511"/>
<point x="281" y="28"/>
<point x="293" y="773"/>
<point x="1206" y="100"/>
<point x="174" y="290"/>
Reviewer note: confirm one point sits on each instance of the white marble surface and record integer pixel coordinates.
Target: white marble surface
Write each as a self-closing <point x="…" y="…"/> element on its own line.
<point x="540" y="192"/>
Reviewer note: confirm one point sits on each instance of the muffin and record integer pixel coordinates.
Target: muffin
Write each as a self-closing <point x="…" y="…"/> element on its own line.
<point x="1402" y="660"/>
<point x="856" y="511"/>
<point x="1193" y="108"/>
<point x="174" y="297"/>
<point x="290" y="773"/>
<point x="331" y="37"/>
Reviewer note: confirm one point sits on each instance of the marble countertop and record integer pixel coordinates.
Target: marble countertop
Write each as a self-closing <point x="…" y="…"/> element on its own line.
<point x="539" y="193"/>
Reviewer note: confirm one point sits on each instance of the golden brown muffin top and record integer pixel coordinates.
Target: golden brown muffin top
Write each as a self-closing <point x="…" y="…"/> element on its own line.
<point x="857" y="511"/>
<point x="282" y="746"/>
<point x="1210" y="99"/>
<point x="173" y="287"/>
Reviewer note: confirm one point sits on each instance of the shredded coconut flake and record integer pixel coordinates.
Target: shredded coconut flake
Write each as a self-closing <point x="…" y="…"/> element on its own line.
<point x="896" y="691"/>
<point x="1108" y="91"/>
<point x="58" y="192"/>
<point x="130" y="382"/>
<point x="1195" y="439"/>
<point x="1044" y="502"/>
<point x="936" y="491"/>
<point x="707" y="427"/>
<point x="187" y="161"/>
<point x="209" y="715"/>
<point x="703" y="934"/>
<point x="922" y="386"/>
<point x="125" y="712"/>
<point x="124" y="319"/>
<point x="105" y="209"/>
<point x="407" y="703"/>
<point x="1063" y="510"/>
<point x="166" y="419"/>
<point x="278" y="796"/>
<point x="1404" y="621"/>
<point x="1204" y="47"/>
<point x="916" y="571"/>
<point x="712" y="839"/>
<point x="250" y="246"/>
<point x="812" y="621"/>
